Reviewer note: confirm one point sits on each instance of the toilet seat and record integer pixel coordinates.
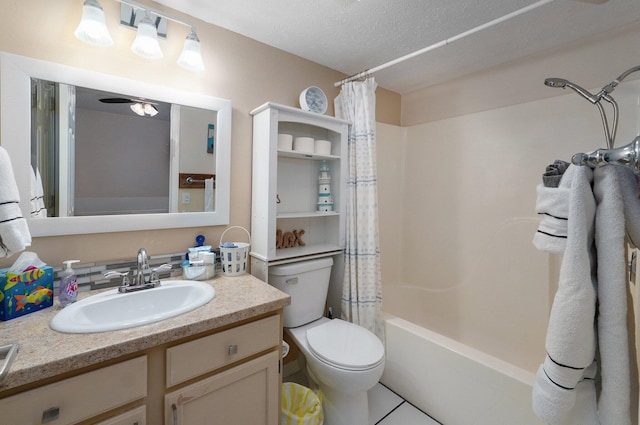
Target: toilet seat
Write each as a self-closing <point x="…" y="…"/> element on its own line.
<point x="345" y="345"/>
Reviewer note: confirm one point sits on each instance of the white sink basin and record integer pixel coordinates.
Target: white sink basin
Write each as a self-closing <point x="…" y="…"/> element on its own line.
<point x="110" y="310"/>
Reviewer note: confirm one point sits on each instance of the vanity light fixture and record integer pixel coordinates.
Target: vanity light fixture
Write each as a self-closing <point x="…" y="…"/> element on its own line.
<point x="146" y="42"/>
<point x="93" y="30"/>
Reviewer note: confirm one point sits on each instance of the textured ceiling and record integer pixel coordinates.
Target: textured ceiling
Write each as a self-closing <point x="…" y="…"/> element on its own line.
<point x="351" y="36"/>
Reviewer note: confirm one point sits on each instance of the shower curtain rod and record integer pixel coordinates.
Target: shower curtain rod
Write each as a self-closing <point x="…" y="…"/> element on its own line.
<point x="442" y="43"/>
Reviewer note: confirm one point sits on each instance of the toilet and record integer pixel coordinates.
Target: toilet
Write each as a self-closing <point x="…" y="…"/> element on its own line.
<point x="343" y="359"/>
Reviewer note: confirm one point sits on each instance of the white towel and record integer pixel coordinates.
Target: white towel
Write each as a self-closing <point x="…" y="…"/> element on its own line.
<point x="37" y="196"/>
<point x="208" y="194"/>
<point x="14" y="233"/>
<point x="614" y="401"/>
<point x="552" y="205"/>
<point x="571" y="339"/>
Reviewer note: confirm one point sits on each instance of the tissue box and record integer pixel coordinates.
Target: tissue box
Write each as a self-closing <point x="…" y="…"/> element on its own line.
<point x="25" y="292"/>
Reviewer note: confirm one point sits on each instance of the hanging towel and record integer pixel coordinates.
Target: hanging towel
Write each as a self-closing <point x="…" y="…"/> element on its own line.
<point x="37" y="196"/>
<point x="614" y="401"/>
<point x="208" y="194"/>
<point x="564" y="387"/>
<point x="552" y="205"/>
<point x="14" y="233"/>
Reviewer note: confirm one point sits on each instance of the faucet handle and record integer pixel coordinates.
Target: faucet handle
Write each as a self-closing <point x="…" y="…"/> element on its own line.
<point x="123" y="275"/>
<point x="154" y="273"/>
<point x="162" y="268"/>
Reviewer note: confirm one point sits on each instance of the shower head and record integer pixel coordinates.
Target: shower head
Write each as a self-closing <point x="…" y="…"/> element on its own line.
<point x="562" y="83"/>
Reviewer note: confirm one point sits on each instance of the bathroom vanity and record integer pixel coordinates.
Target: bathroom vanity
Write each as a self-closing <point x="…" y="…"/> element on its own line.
<point x="205" y="366"/>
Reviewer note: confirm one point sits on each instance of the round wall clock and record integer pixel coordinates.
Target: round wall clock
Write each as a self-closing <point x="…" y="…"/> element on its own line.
<point x="313" y="99"/>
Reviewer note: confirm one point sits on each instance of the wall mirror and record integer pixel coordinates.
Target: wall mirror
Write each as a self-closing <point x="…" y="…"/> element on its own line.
<point x="96" y="165"/>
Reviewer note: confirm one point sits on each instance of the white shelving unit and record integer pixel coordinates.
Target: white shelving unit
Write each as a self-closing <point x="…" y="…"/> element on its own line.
<point x="285" y="187"/>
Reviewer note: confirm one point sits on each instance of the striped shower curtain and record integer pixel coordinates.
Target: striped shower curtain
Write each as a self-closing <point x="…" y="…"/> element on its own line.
<point x="362" y="286"/>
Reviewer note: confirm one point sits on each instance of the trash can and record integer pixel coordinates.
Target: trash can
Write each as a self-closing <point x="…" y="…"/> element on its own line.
<point x="300" y="405"/>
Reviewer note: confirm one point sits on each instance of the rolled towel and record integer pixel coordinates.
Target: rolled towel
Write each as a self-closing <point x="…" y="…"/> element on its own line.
<point x="552" y="205"/>
<point x="553" y="173"/>
<point x="14" y="233"/>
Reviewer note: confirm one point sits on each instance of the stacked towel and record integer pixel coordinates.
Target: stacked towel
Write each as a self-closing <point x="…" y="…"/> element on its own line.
<point x="14" y="233"/>
<point x="564" y="384"/>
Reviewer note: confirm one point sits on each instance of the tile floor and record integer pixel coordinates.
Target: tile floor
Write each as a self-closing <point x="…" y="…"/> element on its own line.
<point x="385" y="406"/>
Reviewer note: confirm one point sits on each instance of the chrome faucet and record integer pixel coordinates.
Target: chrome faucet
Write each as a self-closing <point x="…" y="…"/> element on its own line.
<point x="143" y="267"/>
<point x="140" y="282"/>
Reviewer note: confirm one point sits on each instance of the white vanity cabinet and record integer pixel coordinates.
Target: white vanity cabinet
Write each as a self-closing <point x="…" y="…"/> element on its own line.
<point x="285" y="186"/>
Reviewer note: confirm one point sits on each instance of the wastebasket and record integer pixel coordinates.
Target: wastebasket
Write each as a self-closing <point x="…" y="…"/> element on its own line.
<point x="300" y="405"/>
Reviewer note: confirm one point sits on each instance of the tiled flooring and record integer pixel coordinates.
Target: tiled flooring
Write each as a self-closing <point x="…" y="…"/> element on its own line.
<point x="387" y="408"/>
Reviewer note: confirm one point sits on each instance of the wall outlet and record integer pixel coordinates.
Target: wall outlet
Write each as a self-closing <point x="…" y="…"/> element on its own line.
<point x="186" y="198"/>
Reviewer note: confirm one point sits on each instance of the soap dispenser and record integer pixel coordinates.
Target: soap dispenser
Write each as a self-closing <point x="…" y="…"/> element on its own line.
<point x="68" y="284"/>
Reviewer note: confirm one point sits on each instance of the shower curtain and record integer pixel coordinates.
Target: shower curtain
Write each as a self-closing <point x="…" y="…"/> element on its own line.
<point x="362" y="286"/>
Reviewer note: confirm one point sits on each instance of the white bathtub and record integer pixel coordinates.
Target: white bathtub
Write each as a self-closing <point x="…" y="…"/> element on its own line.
<point x="466" y="351"/>
<point x="454" y="383"/>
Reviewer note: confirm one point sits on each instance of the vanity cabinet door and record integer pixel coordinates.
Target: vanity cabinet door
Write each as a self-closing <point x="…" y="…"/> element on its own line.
<point x="245" y="394"/>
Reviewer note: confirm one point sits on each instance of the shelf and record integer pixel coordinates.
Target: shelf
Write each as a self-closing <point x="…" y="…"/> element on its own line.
<point x="304" y="155"/>
<point x="302" y="251"/>
<point x="307" y="214"/>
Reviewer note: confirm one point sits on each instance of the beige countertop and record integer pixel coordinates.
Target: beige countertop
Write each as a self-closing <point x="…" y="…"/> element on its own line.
<point x="45" y="353"/>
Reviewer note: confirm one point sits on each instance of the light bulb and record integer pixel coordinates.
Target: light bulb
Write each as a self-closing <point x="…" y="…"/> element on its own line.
<point x="138" y="108"/>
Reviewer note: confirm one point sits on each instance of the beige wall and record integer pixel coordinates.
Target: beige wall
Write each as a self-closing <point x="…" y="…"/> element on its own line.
<point x="245" y="71"/>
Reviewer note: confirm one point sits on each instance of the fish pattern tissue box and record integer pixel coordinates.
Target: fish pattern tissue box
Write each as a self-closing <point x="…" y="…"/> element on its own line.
<point x="26" y="292"/>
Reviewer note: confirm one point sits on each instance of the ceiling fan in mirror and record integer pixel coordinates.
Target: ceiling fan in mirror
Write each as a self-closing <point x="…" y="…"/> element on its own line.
<point x="139" y="106"/>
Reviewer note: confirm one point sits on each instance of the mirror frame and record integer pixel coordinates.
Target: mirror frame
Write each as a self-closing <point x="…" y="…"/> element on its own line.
<point x="15" y="136"/>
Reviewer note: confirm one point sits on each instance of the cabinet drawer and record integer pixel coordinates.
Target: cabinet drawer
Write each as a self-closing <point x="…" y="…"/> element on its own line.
<point x="137" y="416"/>
<point x="211" y="352"/>
<point x="81" y="397"/>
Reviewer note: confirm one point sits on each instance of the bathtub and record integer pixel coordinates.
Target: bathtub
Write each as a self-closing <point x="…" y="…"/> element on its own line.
<point x="466" y="352"/>
<point x="454" y="383"/>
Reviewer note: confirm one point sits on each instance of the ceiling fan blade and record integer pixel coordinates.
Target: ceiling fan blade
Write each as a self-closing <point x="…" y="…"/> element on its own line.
<point x="593" y="1"/>
<point x="116" y="100"/>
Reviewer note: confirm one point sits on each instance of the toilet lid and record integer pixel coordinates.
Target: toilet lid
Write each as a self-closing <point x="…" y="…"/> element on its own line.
<point x="345" y="344"/>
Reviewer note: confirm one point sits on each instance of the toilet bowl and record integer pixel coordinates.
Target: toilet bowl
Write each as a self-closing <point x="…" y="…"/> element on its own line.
<point x="343" y="359"/>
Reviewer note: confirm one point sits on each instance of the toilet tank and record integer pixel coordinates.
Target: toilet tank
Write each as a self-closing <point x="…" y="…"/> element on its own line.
<point x="307" y="282"/>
